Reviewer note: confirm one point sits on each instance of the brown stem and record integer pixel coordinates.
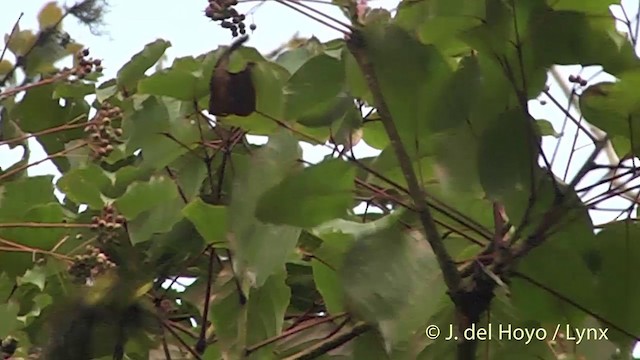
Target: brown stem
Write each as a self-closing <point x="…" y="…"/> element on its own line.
<point x="52" y="156"/>
<point x="44" y="225"/>
<point x="329" y="344"/>
<point x="15" y="90"/>
<point x="417" y="193"/>
<point x="290" y="332"/>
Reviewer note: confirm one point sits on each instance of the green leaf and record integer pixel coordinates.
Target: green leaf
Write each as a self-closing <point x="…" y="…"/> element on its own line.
<point x="171" y="250"/>
<point x="354" y="79"/>
<point x="73" y="90"/>
<point x="327" y="260"/>
<point x="507" y="154"/>
<point x="50" y="15"/>
<point x="17" y="197"/>
<point x="38" y="110"/>
<point x="336" y="109"/>
<point x="375" y="135"/>
<point x="17" y="263"/>
<point x="143" y="196"/>
<point x="180" y="81"/>
<point x="413" y="92"/>
<point x="228" y="314"/>
<point x="613" y="107"/>
<point x="292" y="60"/>
<point x="456" y="165"/>
<point x="189" y="172"/>
<point x="147" y="127"/>
<point x="561" y="261"/>
<point x="369" y="345"/>
<point x="386" y="275"/>
<point x="262" y="249"/>
<point x="442" y="21"/>
<point x="158" y="220"/>
<point x="85" y="185"/>
<point x="545" y="128"/>
<point x="594" y="7"/>
<point x="313" y="87"/>
<point x="317" y="194"/>
<point x="613" y="261"/>
<point x="9" y="316"/>
<point x="588" y="40"/>
<point x="265" y="312"/>
<point x="210" y="220"/>
<point x="134" y="70"/>
<point x="106" y="90"/>
<point x="20" y="42"/>
<point x="35" y="276"/>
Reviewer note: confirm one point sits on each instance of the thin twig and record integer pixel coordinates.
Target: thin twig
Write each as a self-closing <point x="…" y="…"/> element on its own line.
<point x="325" y="346"/>
<point x="293" y="331"/>
<point x="286" y="3"/>
<point x="44" y="225"/>
<point x="10" y="37"/>
<point x="52" y="156"/>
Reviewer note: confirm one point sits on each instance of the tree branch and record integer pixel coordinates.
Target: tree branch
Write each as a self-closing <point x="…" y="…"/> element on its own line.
<point x="417" y="193"/>
<point x="325" y="346"/>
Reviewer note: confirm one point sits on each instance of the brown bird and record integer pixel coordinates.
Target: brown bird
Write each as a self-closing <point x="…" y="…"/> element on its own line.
<point x="232" y="93"/>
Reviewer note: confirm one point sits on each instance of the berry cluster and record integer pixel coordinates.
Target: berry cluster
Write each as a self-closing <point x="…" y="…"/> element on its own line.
<point x="101" y="131"/>
<point x="85" y="65"/>
<point x="107" y="224"/>
<point x="577" y="80"/>
<point x="223" y="11"/>
<point x="87" y="266"/>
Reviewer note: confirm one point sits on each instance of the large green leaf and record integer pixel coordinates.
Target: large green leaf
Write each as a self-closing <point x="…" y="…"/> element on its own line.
<point x="317" y="194"/>
<point x="134" y="70"/>
<point x="384" y="277"/>
<point x="440" y="22"/>
<point x="143" y="196"/>
<point x="560" y="262"/>
<point x="16" y="263"/>
<point x="614" y="260"/>
<point x="411" y="76"/>
<point x="313" y="87"/>
<point x="588" y="40"/>
<point x="17" y="197"/>
<point x="613" y="107"/>
<point x="148" y="127"/>
<point x="210" y="220"/>
<point x="507" y="155"/>
<point x="228" y="314"/>
<point x="594" y="7"/>
<point x="293" y="59"/>
<point x="180" y="81"/>
<point x="9" y="312"/>
<point x="84" y="185"/>
<point x="265" y="313"/>
<point x="328" y="259"/>
<point x="262" y="249"/>
<point x="171" y="250"/>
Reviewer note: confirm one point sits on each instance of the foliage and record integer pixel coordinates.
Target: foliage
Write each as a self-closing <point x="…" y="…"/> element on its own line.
<point x="470" y="229"/>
